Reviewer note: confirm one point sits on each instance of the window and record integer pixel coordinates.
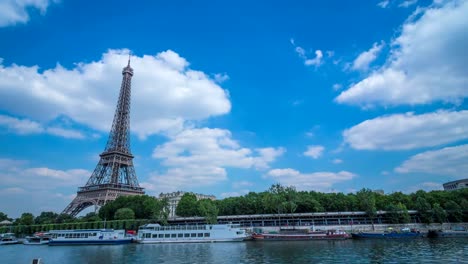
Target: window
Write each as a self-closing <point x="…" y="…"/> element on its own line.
<point x="167" y="235"/>
<point x="180" y="235"/>
<point x="207" y="234"/>
<point x="160" y="235"/>
<point x="200" y="234"/>
<point x="173" y="235"/>
<point x="155" y="235"/>
<point x="186" y="235"/>
<point x="193" y="235"/>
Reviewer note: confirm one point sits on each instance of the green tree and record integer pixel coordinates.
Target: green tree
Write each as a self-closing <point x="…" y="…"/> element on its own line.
<point x="454" y="211"/>
<point x="46" y="218"/>
<point x="439" y="214"/>
<point x="144" y="207"/>
<point x="124" y="214"/>
<point x="91" y="217"/>
<point x="187" y="205"/>
<point x="26" y="219"/>
<point x="4" y="216"/>
<point x="366" y="200"/>
<point x="64" y="218"/>
<point x="207" y="208"/>
<point x="403" y="216"/>
<point x="425" y="210"/>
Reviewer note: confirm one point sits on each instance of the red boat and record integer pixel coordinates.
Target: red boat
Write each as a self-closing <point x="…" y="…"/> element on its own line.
<point x="303" y="234"/>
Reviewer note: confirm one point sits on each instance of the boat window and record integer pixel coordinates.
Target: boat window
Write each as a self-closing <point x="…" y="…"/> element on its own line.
<point x="147" y="235"/>
<point x="155" y="235"/>
<point x="207" y="234"/>
<point x="173" y="235"/>
<point x="161" y="235"/>
<point x="200" y="234"/>
<point x="186" y="235"/>
<point x="180" y="235"/>
<point x="193" y="235"/>
<point x="167" y="235"/>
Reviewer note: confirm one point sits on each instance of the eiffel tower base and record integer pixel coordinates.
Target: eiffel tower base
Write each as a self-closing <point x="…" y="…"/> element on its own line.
<point x="97" y="198"/>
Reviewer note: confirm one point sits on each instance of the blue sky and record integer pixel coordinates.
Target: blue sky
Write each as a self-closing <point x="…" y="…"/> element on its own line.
<point x="231" y="97"/>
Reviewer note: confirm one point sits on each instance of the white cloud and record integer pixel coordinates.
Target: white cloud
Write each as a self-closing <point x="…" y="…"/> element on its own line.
<point x="17" y="11"/>
<point x="407" y="3"/>
<point x="427" y="62"/>
<point x="449" y="161"/>
<point x="318" y="181"/>
<point x="31" y="188"/>
<point x="314" y="151"/>
<point x="234" y="194"/>
<point x="337" y="86"/>
<point x="362" y="62"/>
<point x="425" y="186"/>
<point x="241" y="184"/>
<point x="315" y="61"/>
<point x="221" y="77"/>
<point x="199" y="157"/>
<point x="165" y="92"/>
<point x="25" y="127"/>
<point x="408" y="131"/>
<point x="337" y="161"/>
<point x="384" y="4"/>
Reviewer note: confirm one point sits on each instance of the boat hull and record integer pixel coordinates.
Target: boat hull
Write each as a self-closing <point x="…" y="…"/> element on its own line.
<point x="387" y="235"/>
<point x="190" y="241"/>
<point x="90" y="242"/>
<point x="449" y="234"/>
<point x="302" y="236"/>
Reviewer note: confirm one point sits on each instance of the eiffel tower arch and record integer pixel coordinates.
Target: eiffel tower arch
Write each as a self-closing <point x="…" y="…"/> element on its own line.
<point x="114" y="175"/>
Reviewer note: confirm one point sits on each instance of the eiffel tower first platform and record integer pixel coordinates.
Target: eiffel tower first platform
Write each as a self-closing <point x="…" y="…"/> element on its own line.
<point x="114" y="175"/>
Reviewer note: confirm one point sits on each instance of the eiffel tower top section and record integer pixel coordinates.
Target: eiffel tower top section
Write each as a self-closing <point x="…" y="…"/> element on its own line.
<point x="119" y="137"/>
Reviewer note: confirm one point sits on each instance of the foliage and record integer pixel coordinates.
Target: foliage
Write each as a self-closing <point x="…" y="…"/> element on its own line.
<point x="4" y="216"/>
<point x="207" y="208"/>
<point x="124" y="214"/>
<point x="439" y="214"/>
<point x="26" y="219"/>
<point x="187" y="205"/>
<point x="46" y="218"/>
<point x="144" y="207"/>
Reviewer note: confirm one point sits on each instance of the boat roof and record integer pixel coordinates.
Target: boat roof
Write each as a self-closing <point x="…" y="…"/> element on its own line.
<point x="82" y="230"/>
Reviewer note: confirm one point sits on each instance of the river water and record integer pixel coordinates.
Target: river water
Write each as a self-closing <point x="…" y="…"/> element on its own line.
<point x="423" y="250"/>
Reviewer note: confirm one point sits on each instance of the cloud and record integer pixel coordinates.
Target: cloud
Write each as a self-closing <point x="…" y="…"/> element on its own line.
<point x="337" y="161"/>
<point x="317" y="181"/>
<point x="427" y="62"/>
<point x="221" y="77"/>
<point x="314" y="151"/>
<point x="449" y="161"/>
<point x="26" y="127"/>
<point x="32" y="188"/>
<point x="337" y="86"/>
<point x="200" y="156"/>
<point x="165" y="92"/>
<point x="407" y="3"/>
<point x="425" y="186"/>
<point x="408" y="131"/>
<point x="17" y="11"/>
<point x="362" y="62"/>
<point x="308" y="61"/>
<point x="384" y="4"/>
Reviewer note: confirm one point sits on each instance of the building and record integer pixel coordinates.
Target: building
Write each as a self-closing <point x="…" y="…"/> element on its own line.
<point x="174" y="198"/>
<point x="456" y="185"/>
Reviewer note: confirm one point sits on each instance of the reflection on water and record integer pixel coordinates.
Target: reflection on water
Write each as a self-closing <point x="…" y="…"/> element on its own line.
<point x="345" y="251"/>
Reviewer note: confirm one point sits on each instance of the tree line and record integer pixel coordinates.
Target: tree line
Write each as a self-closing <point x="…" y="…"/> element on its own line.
<point x="433" y="206"/>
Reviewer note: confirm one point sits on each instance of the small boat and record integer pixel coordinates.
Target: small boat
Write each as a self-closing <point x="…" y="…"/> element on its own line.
<point x="456" y="232"/>
<point x="403" y="233"/>
<point x="89" y="237"/>
<point x="155" y="233"/>
<point x="302" y="234"/>
<point x="8" y="239"/>
<point x="38" y="238"/>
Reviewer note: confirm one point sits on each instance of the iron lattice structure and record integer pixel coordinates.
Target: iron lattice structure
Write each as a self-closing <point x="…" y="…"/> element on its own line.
<point x="114" y="175"/>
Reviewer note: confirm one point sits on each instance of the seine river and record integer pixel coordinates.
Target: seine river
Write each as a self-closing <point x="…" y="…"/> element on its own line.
<point x="345" y="251"/>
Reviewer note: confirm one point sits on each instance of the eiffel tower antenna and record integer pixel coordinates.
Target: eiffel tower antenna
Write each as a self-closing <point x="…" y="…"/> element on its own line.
<point x="114" y="175"/>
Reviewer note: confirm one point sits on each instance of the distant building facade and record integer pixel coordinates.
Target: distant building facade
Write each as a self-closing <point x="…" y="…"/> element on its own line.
<point x="174" y="199"/>
<point x="456" y="185"/>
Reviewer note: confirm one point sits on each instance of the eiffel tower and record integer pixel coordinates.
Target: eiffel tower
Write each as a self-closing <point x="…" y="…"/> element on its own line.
<point x="114" y="175"/>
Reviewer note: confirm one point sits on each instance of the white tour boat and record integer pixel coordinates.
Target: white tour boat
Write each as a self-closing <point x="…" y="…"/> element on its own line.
<point x="39" y="238"/>
<point x="155" y="233"/>
<point x="8" y="239"/>
<point x="89" y="237"/>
